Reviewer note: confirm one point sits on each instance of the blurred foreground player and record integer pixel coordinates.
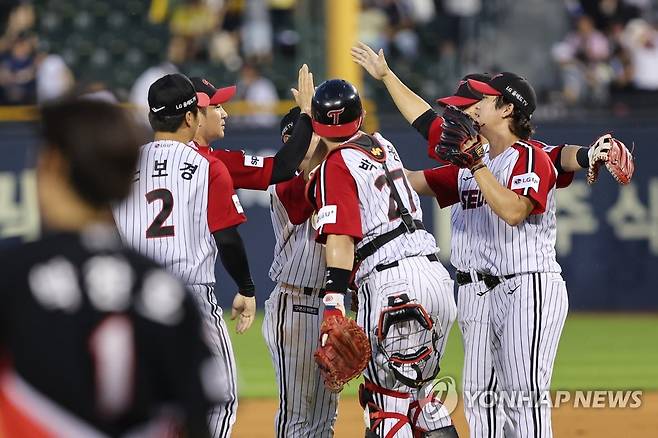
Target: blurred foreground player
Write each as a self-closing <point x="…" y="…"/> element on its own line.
<point x="95" y="339"/>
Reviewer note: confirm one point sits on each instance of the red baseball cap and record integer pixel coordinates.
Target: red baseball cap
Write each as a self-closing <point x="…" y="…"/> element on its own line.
<point x="465" y="95"/>
<point x="216" y="96"/>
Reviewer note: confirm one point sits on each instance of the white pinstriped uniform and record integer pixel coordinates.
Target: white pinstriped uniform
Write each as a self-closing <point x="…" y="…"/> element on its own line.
<point x="511" y="332"/>
<point x="188" y="250"/>
<point x="291" y="327"/>
<point x="425" y="281"/>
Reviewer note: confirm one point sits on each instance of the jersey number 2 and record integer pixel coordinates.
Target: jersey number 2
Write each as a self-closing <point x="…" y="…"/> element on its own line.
<point x="157" y="227"/>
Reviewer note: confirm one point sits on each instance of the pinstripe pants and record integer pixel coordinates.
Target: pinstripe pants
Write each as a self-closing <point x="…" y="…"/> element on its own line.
<point x="291" y="328"/>
<point x="483" y="417"/>
<point x="222" y="416"/>
<point x="429" y="284"/>
<point x="511" y="334"/>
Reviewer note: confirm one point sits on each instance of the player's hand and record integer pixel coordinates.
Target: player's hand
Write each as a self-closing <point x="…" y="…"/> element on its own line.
<point x="374" y="63"/>
<point x="305" y="89"/>
<point x="245" y="307"/>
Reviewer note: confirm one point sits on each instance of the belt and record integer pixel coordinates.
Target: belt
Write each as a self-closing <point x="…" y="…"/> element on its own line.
<point x="383" y="267"/>
<point x="490" y="281"/>
<point x="310" y="290"/>
<point x="304" y="290"/>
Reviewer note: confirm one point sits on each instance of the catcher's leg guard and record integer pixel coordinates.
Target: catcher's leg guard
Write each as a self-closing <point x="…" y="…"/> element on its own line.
<point x="444" y="432"/>
<point x="384" y="409"/>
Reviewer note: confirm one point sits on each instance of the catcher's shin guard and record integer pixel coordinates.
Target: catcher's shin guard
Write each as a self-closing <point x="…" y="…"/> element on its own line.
<point x="376" y="416"/>
<point x="444" y="432"/>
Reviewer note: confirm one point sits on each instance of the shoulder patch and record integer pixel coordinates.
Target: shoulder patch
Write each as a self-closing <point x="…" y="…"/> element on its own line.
<point x="369" y="145"/>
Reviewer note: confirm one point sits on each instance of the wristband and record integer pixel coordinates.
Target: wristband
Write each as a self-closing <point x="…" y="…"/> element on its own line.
<point x="337" y="280"/>
<point x="247" y="289"/>
<point x="582" y="157"/>
<point x="476" y="168"/>
<point x="334" y="304"/>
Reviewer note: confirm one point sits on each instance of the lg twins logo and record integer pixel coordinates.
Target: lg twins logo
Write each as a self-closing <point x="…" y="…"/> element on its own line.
<point x="335" y="114"/>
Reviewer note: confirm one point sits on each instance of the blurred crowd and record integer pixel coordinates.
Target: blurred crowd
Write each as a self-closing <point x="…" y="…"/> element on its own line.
<point x="611" y="49"/>
<point x="27" y="73"/>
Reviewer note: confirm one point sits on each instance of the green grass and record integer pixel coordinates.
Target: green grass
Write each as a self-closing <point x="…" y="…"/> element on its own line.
<point x="602" y="351"/>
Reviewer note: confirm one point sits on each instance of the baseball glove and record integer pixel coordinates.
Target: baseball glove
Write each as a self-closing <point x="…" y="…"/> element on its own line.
<point x="344" y="351"/>
<point x="616" y="157"/>
<point x="459" y="142"/>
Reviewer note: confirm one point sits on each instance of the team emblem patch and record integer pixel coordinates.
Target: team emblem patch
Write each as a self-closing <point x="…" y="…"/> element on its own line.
<point x="377" y="152"/>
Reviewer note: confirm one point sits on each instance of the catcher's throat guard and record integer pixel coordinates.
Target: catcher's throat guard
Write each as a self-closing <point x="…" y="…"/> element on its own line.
<point x="407" y="337"/>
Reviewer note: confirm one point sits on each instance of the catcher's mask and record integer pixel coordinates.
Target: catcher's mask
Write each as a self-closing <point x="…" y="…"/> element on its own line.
<point x="407" y="337"/>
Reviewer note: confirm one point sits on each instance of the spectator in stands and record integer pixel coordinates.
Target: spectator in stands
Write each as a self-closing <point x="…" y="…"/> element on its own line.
<point x="140" y="89"/>
<point x="256" y="32"/>
<point x="194" y="21"/>
<point x="260" y="95"/>
<point x="18" y="71"/>
<point x="583" y="57"/>
<point x="641" y="40"/>
<point x="606" y="12"/>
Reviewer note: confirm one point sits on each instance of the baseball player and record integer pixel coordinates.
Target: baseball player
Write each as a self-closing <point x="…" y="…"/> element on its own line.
<point x="95" y="339"/>
<point x="292" y="312"/>
<point x="180" y="211"/>
<point x="371" y="222"/>
<point x="250" y="171"/>
<point x="473" y="306"/>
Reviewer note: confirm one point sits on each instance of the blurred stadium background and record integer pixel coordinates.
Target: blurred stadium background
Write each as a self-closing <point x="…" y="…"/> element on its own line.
<point x="594" y="64"/>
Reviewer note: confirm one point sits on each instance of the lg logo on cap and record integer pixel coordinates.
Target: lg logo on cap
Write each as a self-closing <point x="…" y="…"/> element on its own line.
<point x="334" y="114"/>
<point x="516" y="95"/>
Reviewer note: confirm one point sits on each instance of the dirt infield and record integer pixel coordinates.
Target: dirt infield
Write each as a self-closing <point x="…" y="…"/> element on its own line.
<point x="256" y="420"/>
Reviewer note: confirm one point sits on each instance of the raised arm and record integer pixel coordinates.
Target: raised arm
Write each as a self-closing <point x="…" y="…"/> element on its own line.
<point x="410" y="105"/>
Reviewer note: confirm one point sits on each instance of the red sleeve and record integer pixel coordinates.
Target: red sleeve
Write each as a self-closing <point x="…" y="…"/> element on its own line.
<point x="564" y="179"/>
<point x="224" y="209"/>
<point x="337" y="200"/>
<point x="433" y="137"/>
<point x="248" y="171"/>
<point x="292" y="194"/>
<point x="533" y="176"/>
<point x="443" y="182"/>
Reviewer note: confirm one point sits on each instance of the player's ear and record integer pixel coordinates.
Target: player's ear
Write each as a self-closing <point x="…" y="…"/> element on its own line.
<point x="508" y="110"/>
<point x="192" y="119"/>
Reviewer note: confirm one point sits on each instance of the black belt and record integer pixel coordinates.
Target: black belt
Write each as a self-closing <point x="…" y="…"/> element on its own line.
<point x="490" y="281"/>
<point x="309" y="291"/>
<point x="383" y="267"/>
<point x="371" y="247"/>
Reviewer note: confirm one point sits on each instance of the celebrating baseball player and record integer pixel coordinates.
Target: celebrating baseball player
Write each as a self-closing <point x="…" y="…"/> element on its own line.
<point x="371" y="222"/>
<point x="294" y="308"/>
<point x="96" y="340"/>
<point x="250" y="171"/>
<point x="473" y="306"/>
<point x="181" y="210"/>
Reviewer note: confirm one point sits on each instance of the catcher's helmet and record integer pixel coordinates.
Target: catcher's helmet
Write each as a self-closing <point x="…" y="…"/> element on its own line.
<point x="336" y="109"/>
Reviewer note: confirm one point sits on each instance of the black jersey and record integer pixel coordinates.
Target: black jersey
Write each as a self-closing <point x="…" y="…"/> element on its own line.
<point x="97" y="340"/>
